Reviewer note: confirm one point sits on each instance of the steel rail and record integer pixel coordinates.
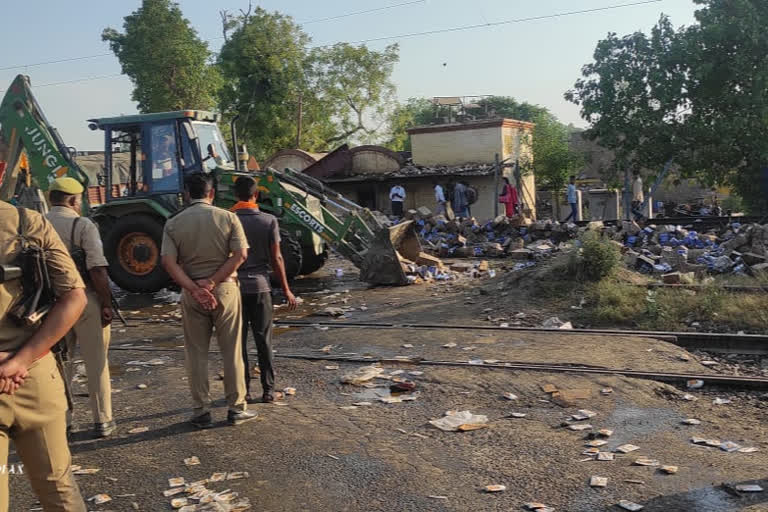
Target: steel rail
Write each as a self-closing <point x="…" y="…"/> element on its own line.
<point x="744" y="382"/>
<point x="726" y="343"/>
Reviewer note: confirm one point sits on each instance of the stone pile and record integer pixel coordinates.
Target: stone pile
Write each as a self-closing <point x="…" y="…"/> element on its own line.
<point x="737" y="249"/>
<point x="514" y="237"/>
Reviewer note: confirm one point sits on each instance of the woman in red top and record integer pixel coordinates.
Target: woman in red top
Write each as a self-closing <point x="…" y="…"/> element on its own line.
<point x="509" y="198"/>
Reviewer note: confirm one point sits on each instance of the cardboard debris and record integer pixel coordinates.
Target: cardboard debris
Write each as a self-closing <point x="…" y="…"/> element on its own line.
<point x="691" y="421"/>
<point x="468" y="427"/>
<point x="518" y="415"/>
<point x="192" y="461"/>
<point x="362" y="375"/>
<point x="579" y="428"/>
<point x="605" y="432"/>
<point x="645" y="461"/>
<point x="749" y="488"/>
<point x="626" y="448"/>
<point x="176" y="481"/>
<point x="598" y="481"/>
<point x="85" y="471"/>
<point x="729" y="446"/>
<point x="510" y="396"/>
<point x="453" y="420"/>
<point x="138" y="430"/>
<point x="670" y="470"/>
<point x="606" y="456"/>
<point x="548" y="388"/>
<point x="628" y="505"/>
<point x="495" y="488"/>
<point x="179" y="502"/>
<point x="98" y="499"/>
<point x="597" y="442"/>
<point x="583" y="414"/>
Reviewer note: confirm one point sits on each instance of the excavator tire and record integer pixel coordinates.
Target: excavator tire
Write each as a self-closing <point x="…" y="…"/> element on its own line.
<point x="313" y="262"/>
<point x="132" y="249"/>
<point x="292" y="254"/>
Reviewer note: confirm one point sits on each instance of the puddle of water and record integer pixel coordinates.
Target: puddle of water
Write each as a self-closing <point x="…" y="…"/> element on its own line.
<point x="631" y="423"/>
<point x="706" y="499"/>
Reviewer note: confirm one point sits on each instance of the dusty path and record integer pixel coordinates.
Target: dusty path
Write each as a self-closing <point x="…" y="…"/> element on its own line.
<point x="316" y="452"/>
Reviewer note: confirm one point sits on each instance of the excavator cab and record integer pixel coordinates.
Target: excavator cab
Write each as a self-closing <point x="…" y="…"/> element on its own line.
<point x="145" y="160"/>
<point x="149" y="155"/>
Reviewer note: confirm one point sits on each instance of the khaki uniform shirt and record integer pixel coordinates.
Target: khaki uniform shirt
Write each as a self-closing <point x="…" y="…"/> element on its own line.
<point x="63" y="273"/>
<point x="202" y="237"/>
<point x="86" y="235"/>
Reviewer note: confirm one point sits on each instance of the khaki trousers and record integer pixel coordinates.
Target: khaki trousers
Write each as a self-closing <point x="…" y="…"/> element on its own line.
<point x="198" y="328"/>
<point x="33" y="418"/>
<point x="93" y="340"/>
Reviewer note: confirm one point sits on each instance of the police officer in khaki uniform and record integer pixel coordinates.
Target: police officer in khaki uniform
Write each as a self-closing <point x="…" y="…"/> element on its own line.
<point x="32" y="400"/>
<point x="202" y="248"/>
<point x="92" y="332"/>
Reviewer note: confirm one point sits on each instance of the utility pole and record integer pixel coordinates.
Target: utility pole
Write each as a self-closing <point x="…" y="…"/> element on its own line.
<point x="299" y="119"/>
<point x="627" y="196"/>
<point x="496" y="172"/>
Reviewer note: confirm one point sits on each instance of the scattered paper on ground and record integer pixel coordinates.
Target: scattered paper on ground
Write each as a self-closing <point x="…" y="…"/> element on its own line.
<point x="453" y="420"/>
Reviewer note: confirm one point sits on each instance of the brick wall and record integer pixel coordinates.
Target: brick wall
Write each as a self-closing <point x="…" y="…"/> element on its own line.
<point x="457" y="147"/>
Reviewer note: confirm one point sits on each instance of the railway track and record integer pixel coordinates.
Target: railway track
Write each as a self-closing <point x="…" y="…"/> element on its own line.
<point x="731" y="381"/>
<point x="724" y="343"/>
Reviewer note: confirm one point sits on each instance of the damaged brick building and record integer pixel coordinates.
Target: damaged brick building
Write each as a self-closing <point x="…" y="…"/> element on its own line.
<point x="442" y="153"/>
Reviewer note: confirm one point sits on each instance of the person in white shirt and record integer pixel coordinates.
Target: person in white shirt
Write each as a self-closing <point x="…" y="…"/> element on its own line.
<point x="396" y="197"/>
<point x="440" y="198"/>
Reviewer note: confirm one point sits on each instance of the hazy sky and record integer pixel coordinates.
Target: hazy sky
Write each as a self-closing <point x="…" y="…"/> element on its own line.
<point x="534" y="61"/>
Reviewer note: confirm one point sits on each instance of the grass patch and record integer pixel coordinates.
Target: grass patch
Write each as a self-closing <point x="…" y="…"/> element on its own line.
<point x="612" y="303"/>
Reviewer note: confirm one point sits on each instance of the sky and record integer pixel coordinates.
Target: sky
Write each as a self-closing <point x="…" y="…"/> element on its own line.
<point x="534" y="61"/>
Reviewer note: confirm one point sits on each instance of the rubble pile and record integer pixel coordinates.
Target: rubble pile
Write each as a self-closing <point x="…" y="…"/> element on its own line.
<point x="503" y="237"/>
<point x="428" y="268"/>
<point x="679" y="254"/>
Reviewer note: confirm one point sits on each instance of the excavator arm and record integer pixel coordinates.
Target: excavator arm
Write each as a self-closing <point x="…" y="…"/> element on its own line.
<point x="32" y="153"/>
<point x="353" y="231"/>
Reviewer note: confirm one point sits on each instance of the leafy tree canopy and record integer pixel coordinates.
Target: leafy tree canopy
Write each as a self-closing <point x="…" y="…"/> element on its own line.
<point x="164" y="58"/>
<point x="696" y="94"/>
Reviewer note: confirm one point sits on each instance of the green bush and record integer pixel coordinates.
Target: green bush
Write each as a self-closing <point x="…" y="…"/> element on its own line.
<point x="733" y="203"/>
<point x="598" y="258"/>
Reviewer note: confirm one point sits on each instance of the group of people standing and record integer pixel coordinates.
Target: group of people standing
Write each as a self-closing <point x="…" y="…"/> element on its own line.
<point x="460" y="195"/>
<point x="225" y="281"/>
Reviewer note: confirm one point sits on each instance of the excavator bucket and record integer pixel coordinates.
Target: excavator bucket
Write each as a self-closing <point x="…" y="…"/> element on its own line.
<point x="383" y="262"/>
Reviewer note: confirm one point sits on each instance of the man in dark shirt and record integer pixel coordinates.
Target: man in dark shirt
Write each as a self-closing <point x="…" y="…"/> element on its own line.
<point x="263" y="235"/>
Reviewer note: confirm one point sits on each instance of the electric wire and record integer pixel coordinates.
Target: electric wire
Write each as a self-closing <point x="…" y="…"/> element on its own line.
<point x="375" y="39"/>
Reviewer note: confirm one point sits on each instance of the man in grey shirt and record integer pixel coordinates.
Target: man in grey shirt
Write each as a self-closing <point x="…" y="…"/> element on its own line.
<point x="460" y="203"/>
<point x="263" y="234"/>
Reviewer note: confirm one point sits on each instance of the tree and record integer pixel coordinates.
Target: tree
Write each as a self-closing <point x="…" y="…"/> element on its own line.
<point x="270" y="75"/>
<point x="633" y="97"/>
<point x="695" y="94"/>
<point x="553" y="158"/>
<point x="355" y="83"/>
<point x="263" y="62"/>
<point x="164" y="58"/>
<point x="414" y="112"/>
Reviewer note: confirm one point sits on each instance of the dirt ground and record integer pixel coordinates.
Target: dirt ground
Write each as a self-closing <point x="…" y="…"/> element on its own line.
<point x="318" y="451"/>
